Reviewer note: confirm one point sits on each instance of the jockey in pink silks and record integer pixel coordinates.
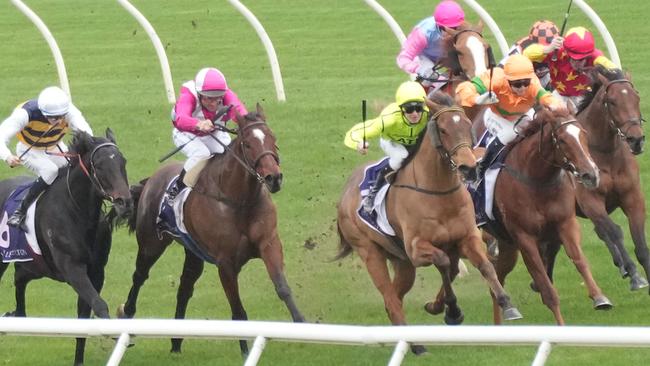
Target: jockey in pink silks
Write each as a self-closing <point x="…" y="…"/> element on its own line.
<point x="192" y="117"/>
<point x="423" y="46"/>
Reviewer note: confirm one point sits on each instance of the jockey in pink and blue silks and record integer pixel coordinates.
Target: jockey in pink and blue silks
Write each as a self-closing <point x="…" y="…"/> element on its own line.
<point x="423" y="46"/>
<point x="192" y="117"/>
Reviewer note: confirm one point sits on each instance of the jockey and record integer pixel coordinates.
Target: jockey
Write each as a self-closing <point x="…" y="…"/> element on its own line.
<point x="542" y="32"/>
<point x="398" y="126"/>
<point x="569" y="59"/>
<point x="515" y="90"/>
<point x="39" y="124"/>
<point x="423" y="46"/>
<point x="192" y="117"/>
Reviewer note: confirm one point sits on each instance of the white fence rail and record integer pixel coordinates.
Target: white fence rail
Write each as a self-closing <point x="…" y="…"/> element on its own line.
<point x="398" y="337"/>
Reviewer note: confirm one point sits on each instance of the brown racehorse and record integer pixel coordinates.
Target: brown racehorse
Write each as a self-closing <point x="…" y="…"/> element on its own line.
<point x="432" y="215"/>
<point x="229" y="214"/>
<point x="534" y="202"/>
<point x="611" y="114"/>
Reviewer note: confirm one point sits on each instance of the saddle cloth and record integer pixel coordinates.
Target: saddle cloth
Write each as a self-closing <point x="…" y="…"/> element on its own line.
<point x="378" y="219"/>
<point x="15" y="244"/>
<point x="170" y="220"/>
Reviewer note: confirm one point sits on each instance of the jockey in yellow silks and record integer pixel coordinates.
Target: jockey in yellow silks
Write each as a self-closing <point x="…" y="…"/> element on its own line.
<point x="515" y="90"/>
<point x="398" y="127"/>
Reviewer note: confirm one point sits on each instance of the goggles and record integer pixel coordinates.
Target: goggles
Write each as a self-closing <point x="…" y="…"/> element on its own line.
<point x="412" y="107"/>
<point x="523" y="83"/>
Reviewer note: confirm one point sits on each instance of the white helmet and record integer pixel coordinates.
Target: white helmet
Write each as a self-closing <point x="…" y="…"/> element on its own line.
<point x="53" y="101"/>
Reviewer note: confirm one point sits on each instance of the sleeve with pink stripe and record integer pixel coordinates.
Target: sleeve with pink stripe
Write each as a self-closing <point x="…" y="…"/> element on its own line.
<point x="411" y="49"/>
<point x="184" y="108"/>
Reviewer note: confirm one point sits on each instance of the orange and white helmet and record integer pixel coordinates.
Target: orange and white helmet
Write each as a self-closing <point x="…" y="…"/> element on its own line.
<point x="518" y="67"/>
<point x="210" y="82"/>
<point x="543" y="32"/>
<point x="578" y="43"/>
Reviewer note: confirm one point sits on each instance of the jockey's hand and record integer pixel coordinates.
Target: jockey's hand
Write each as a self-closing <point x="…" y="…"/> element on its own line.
<point x="362" y="147"/>
<point x="13" y="161"/>
<point x="424" y="71"/>
<point x="556" y="44"/>
<point x="486" y="98"/>
<point x="205" y="125"/>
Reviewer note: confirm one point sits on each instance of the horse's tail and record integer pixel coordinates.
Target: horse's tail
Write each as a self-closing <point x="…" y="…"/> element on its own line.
<point x="344" y="247"/>
<point x="136" y="192"/>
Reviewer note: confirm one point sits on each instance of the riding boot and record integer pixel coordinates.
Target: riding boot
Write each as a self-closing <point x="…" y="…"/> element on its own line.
<point x="177" y="187"/>
<point x="491" y="153"/>
<point x="17" y="219"/>
<point x="369" y="200"/>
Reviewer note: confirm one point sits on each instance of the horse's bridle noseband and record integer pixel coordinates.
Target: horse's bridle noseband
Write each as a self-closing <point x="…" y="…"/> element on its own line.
<point x="437" y="142"/>
<point x="612" y="122"/>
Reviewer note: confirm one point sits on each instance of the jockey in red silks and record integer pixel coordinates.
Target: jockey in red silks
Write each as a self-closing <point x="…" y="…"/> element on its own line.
<point x="192" y="117"/>
<point x="569" y="60"/>
<point x="423" y="46"/>
<point x="40" y="124"/>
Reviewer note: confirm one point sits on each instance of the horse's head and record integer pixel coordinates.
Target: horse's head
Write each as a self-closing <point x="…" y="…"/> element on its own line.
<point x="569" y="145"/>
<point x="105" y="166"/>
<point x="259" y="148"/>
<point x="622" y="106"/>
<point x="467" y="50"/>
<point x="451" y="134"/>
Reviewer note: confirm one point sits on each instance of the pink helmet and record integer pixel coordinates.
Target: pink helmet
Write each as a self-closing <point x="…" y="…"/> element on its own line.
<point x="210" y="82"/>
<point x="449" y="14"/>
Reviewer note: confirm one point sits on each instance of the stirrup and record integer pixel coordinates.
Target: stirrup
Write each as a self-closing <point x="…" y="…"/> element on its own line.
<point x="368" y="203"/>
<point x="17" y="219"/>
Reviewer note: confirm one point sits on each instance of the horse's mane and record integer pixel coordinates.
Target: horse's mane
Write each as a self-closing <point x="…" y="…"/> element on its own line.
<point x="81" y="144"/>
<point x="610" y="74"/>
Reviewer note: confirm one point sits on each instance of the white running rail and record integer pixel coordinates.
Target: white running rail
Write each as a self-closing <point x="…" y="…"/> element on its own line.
<point x="54" y="47"/>
<point x="543" y="336"/>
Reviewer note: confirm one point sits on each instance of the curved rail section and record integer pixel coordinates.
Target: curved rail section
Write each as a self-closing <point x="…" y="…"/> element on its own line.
<point x="609" y="41"/>
<point x="54" y="47"/>
<point x="160" y="50"/>
<point x="543" y="336"/>
<point x="268" y="45"/>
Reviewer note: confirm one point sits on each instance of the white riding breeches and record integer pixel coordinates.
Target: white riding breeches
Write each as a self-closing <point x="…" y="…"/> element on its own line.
<point x="499" y="127"/>
<point x="396" y="153"/>
<point x="41" y="163"/>
<point x="571" y="102"/>
<point x="201" y="147"/>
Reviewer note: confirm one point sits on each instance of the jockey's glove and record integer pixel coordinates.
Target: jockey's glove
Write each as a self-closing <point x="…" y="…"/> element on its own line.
<point x="486" y="98"/>
<point x="424" y="71"/>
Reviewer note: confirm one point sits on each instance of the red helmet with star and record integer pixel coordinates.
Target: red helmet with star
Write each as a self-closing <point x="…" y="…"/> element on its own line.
<point x="579" y="43"/>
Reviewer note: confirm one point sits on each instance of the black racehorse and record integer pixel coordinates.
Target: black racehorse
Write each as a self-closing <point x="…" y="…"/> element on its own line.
<point x="73" y="235"/>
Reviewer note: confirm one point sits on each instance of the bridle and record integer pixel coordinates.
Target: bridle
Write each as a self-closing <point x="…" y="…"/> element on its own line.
<point x="612" y="122"/>
<point x="437" y="141"/>
<point x="565" y="163"/>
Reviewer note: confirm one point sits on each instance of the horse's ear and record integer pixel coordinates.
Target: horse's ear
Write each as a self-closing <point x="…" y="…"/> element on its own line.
<point x="238" y="117"/>
<point x="479" y="26"/>
<point x="627" y="75"/>
<point x="260" y="111"/>
<point x="110" y="135"/>
<point x="602" y="78"/>
<point x="81" y="141"/>
<point x="433" y="106"/>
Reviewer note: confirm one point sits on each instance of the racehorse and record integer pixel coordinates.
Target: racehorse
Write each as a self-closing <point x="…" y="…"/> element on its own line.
<point x="229" y="214"/>
<point x="611" y="114"/>
<point x="432" y="215"/>
<point x="74" y="237"/>
<point x="534" y="202"/>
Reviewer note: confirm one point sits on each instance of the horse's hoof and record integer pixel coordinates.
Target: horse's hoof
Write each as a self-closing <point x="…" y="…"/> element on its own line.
<point x="602" y="303"/>
<point x="533" y="286"/>
<point x="454" y="320"/>
<point x="8" y="314"/>
<point x="418" y="350"/>
<point x="512" y="314"/>
<point x="637" y="282"/>
<point x="119" y="313"/>
<point x="434" y="308"/>
<point x="624" y="273"/>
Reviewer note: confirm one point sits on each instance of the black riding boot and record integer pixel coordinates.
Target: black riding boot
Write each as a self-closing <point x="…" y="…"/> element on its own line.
<point x="177" y="187"/>
<point x="379" y="182"/>
<point x="491" y="152"/>
<point x="17" y="219"/>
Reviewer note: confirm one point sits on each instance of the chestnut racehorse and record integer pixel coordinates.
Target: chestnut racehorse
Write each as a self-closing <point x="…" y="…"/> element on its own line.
<point x="432" y="215"/>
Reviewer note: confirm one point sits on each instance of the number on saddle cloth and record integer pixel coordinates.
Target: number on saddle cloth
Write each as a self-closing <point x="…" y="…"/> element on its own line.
<point x="14" y="246"/>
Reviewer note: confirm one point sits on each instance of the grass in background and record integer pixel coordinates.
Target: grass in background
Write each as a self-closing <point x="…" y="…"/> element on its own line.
<point x="332" y="55"/>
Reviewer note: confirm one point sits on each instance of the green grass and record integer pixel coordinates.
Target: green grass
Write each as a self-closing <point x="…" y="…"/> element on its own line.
<point x="332" y="55"/>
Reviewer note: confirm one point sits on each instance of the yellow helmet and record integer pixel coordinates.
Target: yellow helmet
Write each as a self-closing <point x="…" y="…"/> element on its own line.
<point x="518" y="67"/>
<point x="410" y="91"/>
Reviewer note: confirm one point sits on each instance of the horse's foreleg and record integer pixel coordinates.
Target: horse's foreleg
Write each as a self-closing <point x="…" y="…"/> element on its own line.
<point x="21" y="278"/>
<point x="83" y="312"/>
<point x="611" y="234"/>
<point x="192" y="270"/>
<point x="504" y="264"/>
<point x="634" y="208"/>
<point x="569" y="234"/>
<point x="403" y="280"/>
<point x="228" y="275"/>
<point x="453" y="315"/>
<point x="76" y="274"/>
<point x="474" y="250"/>
<point x="272" y="257"/>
